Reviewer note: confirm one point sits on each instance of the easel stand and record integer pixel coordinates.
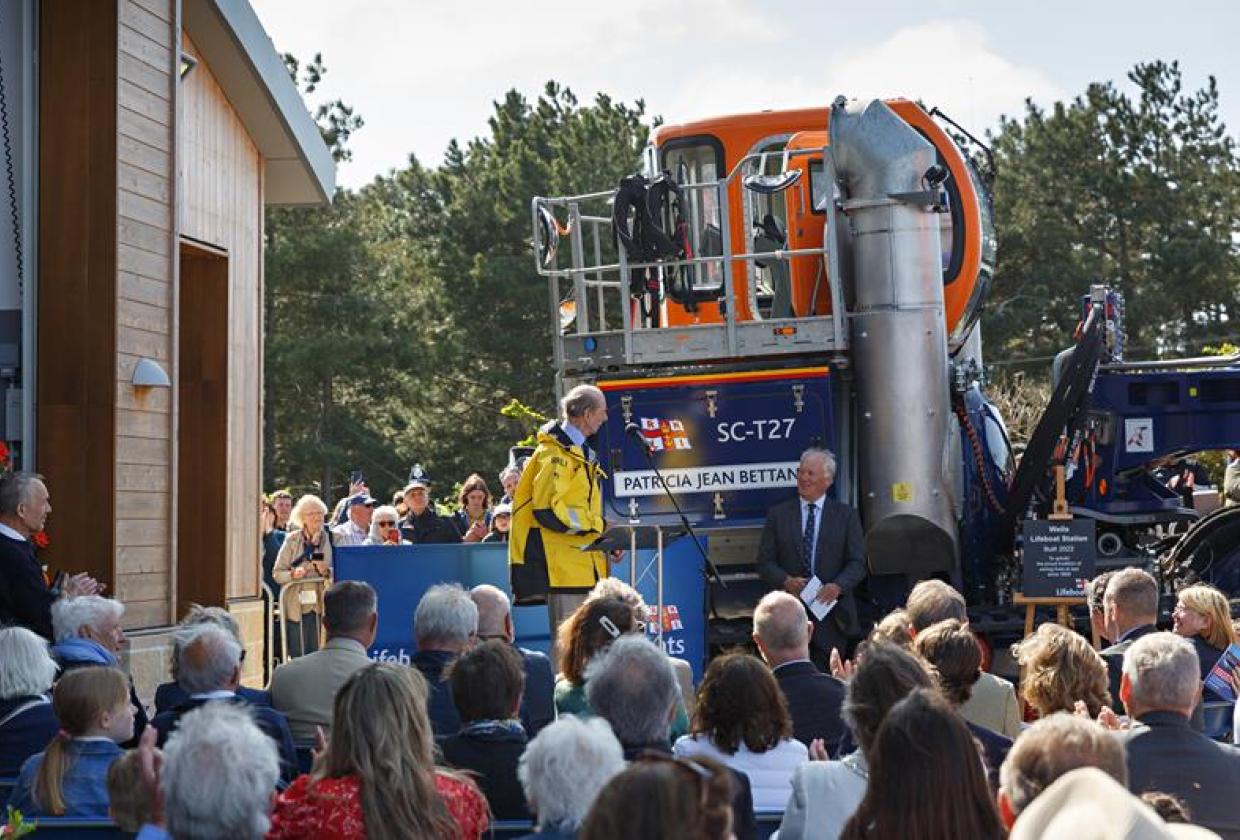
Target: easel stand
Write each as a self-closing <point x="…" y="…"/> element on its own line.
<point x="1061" y="605"/>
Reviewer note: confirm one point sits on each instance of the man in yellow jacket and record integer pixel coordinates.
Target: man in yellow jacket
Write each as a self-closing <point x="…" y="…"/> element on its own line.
<point x="557" y="509"/>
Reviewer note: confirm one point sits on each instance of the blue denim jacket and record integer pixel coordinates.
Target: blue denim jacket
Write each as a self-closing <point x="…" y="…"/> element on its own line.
<point x="85" y="784"/>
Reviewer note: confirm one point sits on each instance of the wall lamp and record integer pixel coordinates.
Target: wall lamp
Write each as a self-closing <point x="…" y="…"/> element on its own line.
<point x="148" y="373"/>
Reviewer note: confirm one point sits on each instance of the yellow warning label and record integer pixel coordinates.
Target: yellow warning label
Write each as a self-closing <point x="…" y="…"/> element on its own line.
<point x="902" y="491"/>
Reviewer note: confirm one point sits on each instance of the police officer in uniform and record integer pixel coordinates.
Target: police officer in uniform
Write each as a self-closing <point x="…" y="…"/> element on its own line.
<point x="422" y="525"/>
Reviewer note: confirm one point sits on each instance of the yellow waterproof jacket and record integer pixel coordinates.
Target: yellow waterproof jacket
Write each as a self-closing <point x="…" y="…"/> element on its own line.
<point x="556" y="509"/>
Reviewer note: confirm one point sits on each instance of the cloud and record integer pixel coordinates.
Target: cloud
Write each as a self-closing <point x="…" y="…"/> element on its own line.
<point x="951" y="64"/>
<point x="423" y="73"/>
<point x="948" y="63"/>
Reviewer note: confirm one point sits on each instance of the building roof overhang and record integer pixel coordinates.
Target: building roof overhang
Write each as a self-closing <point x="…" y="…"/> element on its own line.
<point x="299" y="169"/>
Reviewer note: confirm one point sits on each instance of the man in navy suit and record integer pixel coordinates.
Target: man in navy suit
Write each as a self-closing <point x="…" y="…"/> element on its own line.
<point x="1130" y="611"/>
<point x="445" y="623"/>
<point x="782" y="632"/>
<point x="495" y="622"/>
<point x="1161" y="685"/>
<point x="813" y="536"/>
<point x="209" y="668"/>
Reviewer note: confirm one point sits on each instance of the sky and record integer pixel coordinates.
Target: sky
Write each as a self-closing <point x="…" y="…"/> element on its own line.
<point x="422" y="72"/>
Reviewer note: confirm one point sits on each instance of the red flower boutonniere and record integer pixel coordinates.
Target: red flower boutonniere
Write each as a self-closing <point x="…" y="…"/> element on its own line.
<point x="40" y="539"/>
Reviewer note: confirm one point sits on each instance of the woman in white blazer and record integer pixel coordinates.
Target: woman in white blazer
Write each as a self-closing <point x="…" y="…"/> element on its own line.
<point x="741" y="719"/>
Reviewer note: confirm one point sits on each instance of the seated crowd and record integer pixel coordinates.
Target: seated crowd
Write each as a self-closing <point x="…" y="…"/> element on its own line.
<point x="911" y="737"/>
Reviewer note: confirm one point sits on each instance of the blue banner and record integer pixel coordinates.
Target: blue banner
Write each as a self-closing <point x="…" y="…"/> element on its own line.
<point x="401" y="574"/>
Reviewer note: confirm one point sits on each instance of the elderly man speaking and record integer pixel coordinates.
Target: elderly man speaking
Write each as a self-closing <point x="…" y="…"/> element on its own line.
<point x="558" y="508"/>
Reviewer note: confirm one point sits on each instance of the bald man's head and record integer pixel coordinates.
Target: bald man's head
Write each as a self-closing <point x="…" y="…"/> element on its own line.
<point x="781" y="628"/>
<point x="494" y="612"/>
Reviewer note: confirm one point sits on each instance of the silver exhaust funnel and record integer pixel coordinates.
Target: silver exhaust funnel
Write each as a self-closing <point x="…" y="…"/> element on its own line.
<point x="887" y="176"/>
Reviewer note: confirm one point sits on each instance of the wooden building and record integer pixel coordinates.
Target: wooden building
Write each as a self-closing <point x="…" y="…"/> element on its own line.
<point x="152" y="135"/>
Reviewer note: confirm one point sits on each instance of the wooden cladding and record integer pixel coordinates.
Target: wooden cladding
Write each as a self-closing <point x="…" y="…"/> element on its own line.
<point x="145" y="200"/>
<point x="76" y="389"/>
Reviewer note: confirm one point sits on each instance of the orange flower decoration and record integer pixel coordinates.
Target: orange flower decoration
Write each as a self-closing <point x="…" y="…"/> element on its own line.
<point x="40" y="539"/>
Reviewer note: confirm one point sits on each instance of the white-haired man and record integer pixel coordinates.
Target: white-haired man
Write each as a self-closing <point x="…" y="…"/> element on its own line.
<point x="812" y="536"/>
<point x="209" y="668"/>
<point x="444" y="624"/>
<point x="495" y="622"/>
<point x="25" y="598"/>
<point x="217" y="776"/>
<point x="558" y="510"/>
<point x="1160" y="687"/>
<point x="88" y="634"/>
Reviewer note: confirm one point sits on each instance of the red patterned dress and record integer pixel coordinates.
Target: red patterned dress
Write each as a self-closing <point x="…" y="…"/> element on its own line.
<point x="331" y="809"/>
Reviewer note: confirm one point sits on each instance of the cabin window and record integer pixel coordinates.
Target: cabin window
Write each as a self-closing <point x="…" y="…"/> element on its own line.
<point x="700" y="161"/>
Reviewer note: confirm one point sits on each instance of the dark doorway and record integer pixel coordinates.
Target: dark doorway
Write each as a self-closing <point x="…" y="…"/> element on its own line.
<point x="202" y="442"/>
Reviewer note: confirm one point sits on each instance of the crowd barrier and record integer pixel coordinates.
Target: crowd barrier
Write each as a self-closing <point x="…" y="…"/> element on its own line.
<point x="309" y="636"/>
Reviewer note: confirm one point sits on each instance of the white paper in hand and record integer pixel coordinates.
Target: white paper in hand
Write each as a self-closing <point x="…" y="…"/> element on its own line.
<point x="810" y="594"/>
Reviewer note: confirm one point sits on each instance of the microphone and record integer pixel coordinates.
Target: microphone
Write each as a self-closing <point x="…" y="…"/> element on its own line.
<point x="635" y="431"/>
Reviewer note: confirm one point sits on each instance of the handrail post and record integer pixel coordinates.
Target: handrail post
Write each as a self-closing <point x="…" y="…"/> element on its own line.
<point x="835" y="279"/>
<point x="729" y="295"/>
<point x="626" y="305"/>
<point x="580" y="297"/>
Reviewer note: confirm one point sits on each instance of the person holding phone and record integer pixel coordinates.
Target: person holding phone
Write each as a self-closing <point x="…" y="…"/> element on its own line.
<point x="306" y="554"/>
<point x="473" y="519"/>
<point x="385" y="528"/>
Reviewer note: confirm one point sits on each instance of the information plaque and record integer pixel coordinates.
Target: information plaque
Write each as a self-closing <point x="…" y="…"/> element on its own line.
<point x="1059" y="557"/>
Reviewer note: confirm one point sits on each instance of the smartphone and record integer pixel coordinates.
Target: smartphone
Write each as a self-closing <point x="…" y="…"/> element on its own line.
<point x="357" y="477"/>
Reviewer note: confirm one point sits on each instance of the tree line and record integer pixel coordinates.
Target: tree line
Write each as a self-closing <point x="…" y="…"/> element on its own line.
<point x="403" y="320"/>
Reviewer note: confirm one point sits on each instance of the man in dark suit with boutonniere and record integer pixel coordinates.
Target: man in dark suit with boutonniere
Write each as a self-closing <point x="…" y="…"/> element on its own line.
<point x="25" y="597"/>
<point x="812" y="536"/>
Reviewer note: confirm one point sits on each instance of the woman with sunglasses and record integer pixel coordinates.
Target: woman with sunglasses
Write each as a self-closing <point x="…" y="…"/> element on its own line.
<point x="385" y="528"/>
<point x="1203" y="616"/>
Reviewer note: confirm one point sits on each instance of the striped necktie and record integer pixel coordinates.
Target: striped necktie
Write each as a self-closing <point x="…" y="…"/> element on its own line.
<point x="807" y="540"/>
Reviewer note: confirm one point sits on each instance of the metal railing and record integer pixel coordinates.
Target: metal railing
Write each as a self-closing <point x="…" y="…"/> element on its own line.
<point x="592" y="271"/>
<point x="269" y="622"/>
<point x="315" y="587"/>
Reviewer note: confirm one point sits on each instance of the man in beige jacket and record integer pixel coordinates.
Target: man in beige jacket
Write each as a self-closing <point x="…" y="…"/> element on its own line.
<point x="993" y="704"/>
<point x="304" y="689"/>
